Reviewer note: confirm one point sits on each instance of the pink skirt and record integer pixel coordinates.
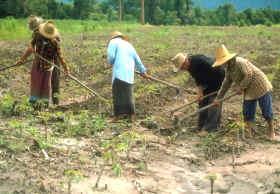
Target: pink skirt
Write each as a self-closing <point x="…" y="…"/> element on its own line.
<point x="40" y="84"/>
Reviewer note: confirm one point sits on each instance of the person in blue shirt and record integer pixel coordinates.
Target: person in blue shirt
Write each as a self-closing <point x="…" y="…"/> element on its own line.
<point x="124" y="60"/>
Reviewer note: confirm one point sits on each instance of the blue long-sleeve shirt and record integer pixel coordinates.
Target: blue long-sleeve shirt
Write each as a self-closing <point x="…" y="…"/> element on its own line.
<point x="124" y="58"/>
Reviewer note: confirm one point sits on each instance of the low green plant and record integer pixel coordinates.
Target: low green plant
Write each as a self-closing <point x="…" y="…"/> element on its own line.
<point x="11" y="106"/>
<point x="39" y="138"/>
<point x="72" y="176"/>
<point x="224" y="141"/>
<point x="119" y="145"/>
<point x="7" y="104"/>
<point x="82" y="124"/>
<point x="142" y="166"/>
<point x="22" y="107"/>
<point x="147" y="89"/>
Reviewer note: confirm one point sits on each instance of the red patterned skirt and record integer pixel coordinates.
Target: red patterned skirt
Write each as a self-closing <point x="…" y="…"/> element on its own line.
<point x="40" y="84"/>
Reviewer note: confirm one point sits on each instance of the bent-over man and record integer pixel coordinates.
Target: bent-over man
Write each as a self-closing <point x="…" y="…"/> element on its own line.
<point x="208" y="80"/>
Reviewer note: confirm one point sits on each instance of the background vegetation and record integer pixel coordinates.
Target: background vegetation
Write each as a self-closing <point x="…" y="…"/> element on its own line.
<point x="167" y="12"/>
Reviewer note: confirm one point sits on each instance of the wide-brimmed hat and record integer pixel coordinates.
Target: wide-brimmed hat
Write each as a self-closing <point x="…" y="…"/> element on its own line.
<point x="48" y="30"/>
<point x="178" y="61"/>
<point x="222" y="56"/>
<point x="116" y="34"/>
<point x="34" y="22"/>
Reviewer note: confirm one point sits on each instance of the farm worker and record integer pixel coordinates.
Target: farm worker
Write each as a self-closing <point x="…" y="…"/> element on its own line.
<point x="124" y="59"/>
<point x="250" y="81"/>
<point x="33" y="23"/>
<point x="44" y="43"/>
<point x="208" y="80"/>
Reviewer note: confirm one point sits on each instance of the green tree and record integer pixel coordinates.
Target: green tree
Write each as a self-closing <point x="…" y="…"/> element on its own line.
<point x="159" y="16"/>
<point x="36" y="7"/>
<point x="171" y="18"/>
<point x="13" y="8"/>
<point x="83" y="8"/>
<point x="226" y="14"/>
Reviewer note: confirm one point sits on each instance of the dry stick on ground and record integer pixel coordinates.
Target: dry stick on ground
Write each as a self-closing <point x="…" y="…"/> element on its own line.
<point x="15" y="65"/>
<point x="206" y="107"/>
<point x="75" y="79"/>
<point x="190" y="103"/>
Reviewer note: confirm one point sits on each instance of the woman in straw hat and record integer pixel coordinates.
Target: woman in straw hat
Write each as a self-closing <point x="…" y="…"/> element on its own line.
<point x="208" y="80"/>
<point x="249" y="81"/>
<point x="44" y="44"/>
<point x="33" y="25"/>
<point x="124" y="59"/>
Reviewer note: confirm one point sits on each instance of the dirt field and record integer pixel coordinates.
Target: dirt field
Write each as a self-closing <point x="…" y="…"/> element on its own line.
<point x="151" y="155"/>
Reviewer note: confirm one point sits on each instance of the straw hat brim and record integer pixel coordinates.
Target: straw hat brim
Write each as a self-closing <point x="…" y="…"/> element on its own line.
<point x="177" y="67"/>
<point x="46" y="35"/>
<point x="120" y="36"/>
<point x="222" y="61"/>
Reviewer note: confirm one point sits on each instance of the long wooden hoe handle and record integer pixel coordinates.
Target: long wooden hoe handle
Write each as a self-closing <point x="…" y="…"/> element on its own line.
<point x="93" y="93"/>
<point x="206" y="107"/>
<point x="178" y="88"/>
<point x="15" y="65"/>
<point x="190" y="103"/>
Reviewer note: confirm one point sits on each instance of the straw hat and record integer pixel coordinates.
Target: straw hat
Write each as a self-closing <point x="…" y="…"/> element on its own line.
<point x="178" y="61"/>
<point x="116" y="34"/>
<point x="222" y="56"/>
<point x="34" y="22"/>
<point x="48" y="30"/>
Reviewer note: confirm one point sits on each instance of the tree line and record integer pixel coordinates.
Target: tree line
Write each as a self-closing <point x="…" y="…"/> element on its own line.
<point x="158" y="12"/>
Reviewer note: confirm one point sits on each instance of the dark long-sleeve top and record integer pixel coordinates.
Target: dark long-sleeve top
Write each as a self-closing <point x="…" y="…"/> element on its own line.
<point x="205" y="76"/>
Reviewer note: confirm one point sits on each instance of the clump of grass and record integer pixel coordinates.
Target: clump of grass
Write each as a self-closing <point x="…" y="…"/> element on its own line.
<point x="116" y="147"/>
<point x="72" y="176"/>
<point x="83" y="124"/>
<point x="223" y="142"/>
<point x="147" y="89"/>
<point x="11" y="106"/>
<point x="20" y="136"/>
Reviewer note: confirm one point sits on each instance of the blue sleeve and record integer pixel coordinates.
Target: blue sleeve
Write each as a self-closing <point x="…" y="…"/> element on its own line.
<point x="111" y="53"/>
<point x="139" y="65"/>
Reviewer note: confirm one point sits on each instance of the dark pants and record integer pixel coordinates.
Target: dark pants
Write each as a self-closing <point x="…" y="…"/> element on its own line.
<point x="55" y="86"/>
<point x="123" y="98"/>
<point x="265" y="103"/>
<point x="209" y="119"/>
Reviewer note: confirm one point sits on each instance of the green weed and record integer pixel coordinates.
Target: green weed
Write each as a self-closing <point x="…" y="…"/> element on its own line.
<point x="224" y="141"/>
<point x="72" y="176"/>
<point x="9" y="106"/>
<point x="114" y="148"/>
<point x="39" y="138"/>
<point x="84" y="124"/>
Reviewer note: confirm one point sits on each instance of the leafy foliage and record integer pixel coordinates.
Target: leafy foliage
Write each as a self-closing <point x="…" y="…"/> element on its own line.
<point x="83" y="124"/>
<point x="214" y="144"/>
<point x="9" y="106"/>
<point x="168" y="12"/>
<point x="114" y="148"/>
